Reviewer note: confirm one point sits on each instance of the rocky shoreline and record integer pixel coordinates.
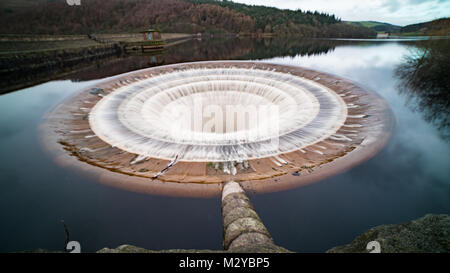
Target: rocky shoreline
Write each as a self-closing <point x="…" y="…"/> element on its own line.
<point x="428" y="234"/>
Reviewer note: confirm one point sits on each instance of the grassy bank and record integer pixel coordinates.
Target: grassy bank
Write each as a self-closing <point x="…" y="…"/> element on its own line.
<point x="27" y="60"/>
<point x="21" y="44"/>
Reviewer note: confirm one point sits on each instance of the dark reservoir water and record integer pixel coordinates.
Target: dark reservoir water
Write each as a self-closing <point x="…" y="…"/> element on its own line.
<point x="409" y="178"/>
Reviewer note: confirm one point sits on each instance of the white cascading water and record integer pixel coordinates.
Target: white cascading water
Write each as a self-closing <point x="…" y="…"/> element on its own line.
<point x="154" y="117"/>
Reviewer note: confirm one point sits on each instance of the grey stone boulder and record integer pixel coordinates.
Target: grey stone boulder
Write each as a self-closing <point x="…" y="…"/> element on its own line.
<point x="428" y="234"/>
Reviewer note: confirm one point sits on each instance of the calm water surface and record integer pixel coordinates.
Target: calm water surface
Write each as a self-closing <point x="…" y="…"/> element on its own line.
<point x="409" y="178"/>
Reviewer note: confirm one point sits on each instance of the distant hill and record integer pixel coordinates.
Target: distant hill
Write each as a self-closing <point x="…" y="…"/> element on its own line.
<point x="377" y="26"/>
<point x="436" y="27"/>
<point x="439" y="27"/>
<point x="188" y="16"/>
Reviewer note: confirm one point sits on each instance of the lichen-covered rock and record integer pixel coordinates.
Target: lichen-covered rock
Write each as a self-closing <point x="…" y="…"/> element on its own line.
<point x="430" y="233"/>
<point x="252" y="248"/>
<point x="246" y="226"/>
<point x="135" y="249"/>
<point x="237" y="213"/>
<point x="42" y="250"/>
<point x="255" y="243"/>
<point x="125" y="249"/>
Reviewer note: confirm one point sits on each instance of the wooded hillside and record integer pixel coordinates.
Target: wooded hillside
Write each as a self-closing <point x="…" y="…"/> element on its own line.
<point x="377" y="26"/>
<point x="188" y="16"/>
<point x="436" y="27"/>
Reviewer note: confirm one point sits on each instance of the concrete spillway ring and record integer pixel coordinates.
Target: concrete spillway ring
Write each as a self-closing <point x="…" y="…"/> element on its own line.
<point x="197" y="125"/>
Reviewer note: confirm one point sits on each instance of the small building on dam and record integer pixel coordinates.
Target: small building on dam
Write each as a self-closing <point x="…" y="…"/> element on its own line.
<point x="151" y="42"/>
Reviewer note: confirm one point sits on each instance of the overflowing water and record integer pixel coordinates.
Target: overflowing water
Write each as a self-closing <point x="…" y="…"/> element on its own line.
<point x="217" y="115"/>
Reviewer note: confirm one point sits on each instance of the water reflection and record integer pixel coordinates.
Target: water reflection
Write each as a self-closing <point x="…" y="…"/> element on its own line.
<point x="12" y="78"/>
<point x="422" y="73"/>
<point x="405" y="181"/>
<point x="246" y="48"/>
<point x="425" y="82"/>
<point x="211" y="49"/>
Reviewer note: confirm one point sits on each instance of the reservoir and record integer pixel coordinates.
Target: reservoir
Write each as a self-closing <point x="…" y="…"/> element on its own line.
<point x="407" y="179"/>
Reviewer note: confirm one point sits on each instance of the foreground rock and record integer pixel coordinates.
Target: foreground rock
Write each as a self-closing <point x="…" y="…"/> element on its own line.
<point x="135" y="249"/>
<point x="431" y="233"/>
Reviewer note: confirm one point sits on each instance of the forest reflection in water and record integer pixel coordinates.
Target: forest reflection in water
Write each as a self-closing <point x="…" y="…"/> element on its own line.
<point x="17" y="74"/>
<point x="422" y="73"/>
<point x="210" y="49"/>
<point x="426" y="83"/>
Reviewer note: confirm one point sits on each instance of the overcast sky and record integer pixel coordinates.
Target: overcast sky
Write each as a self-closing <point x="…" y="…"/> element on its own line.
<point x="397" y="12"/>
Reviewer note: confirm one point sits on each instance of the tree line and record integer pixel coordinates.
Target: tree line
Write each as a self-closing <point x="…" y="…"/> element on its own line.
<point x="187" y="16"/>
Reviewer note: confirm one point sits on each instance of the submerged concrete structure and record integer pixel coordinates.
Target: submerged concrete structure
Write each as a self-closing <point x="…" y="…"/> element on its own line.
<point x="243" y="230"/>
<point x="130" y="130"/>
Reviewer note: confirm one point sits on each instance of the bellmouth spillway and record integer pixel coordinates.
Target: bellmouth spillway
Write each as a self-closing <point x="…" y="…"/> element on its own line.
<point x="269" y="126"/>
